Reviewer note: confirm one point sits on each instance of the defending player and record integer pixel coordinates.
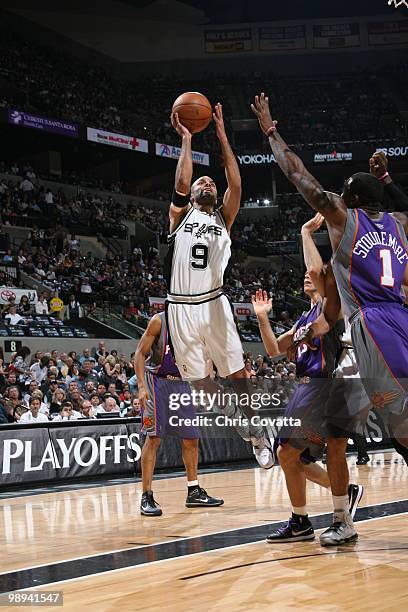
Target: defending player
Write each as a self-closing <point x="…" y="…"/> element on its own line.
<point x="158" y="378"/>
<point x="199" y="315"/>
<point x="298" y="447"/>
<point x="370" y="264"/>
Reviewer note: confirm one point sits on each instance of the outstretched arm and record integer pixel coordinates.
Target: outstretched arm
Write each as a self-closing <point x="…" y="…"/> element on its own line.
<point x="184" y="172"/>
<point x="330" y="205"/>
<point x="273" y="345"/>
<point x="232" y="197"/>
<point x="379" y="168"/>
<point x="311" y="255"/>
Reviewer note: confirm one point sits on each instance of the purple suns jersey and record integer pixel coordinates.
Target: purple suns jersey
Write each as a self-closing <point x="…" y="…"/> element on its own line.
<point x="160" y="361"/>
<point x="309" y="363"/>
<point x="370" y="262"/>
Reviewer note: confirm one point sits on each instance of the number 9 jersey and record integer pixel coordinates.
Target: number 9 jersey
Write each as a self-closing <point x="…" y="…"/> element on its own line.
<point x="199" y="251"/>
<point x="199" y="316"/>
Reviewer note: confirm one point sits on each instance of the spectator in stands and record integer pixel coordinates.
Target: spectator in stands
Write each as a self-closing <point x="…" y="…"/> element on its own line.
<point x="39" y="370"/>
<point x="101" y="350"/>
<point x="57" y="399"/>
<point x="12" y="317"/>
<point x="32" y="386"/>
<point x="95" y="400"/>
<point x="41" y="307"/>
<point x="18" y="412"/>
<point x="37" y="394"/>
<point x="125" y="403"/>
<point x="86" y="354"/>
<point x="112" y="391"/>
<point x="74" y="310"/>
<point x="87" y="410"/>
<point x="76" y="399"/>
<point x="20" y="366"/>
<point x="11" y="399"/>
<point x="33" y="415"/>
<point x="24" y="306"/>
<point x="109" y="405"/>
<point x="67" y="413"/>
<point x="135" y="409"/>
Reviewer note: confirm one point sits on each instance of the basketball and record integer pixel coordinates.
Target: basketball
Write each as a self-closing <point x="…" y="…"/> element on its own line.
<point x="194" y="111"/>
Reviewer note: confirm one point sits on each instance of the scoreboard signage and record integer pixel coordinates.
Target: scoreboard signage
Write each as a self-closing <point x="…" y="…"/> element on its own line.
<point x="273" y="38"/>
<point x="336" y="36"/>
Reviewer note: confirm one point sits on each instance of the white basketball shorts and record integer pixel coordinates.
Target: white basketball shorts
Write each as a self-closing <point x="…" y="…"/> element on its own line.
<point x="199" y="332"/>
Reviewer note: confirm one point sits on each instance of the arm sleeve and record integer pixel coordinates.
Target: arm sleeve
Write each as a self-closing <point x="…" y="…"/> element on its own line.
<point x="396" y="199"/>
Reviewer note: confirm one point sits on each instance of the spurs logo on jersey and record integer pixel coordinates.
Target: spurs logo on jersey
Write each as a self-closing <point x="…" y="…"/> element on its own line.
<point x="199" y="250"/>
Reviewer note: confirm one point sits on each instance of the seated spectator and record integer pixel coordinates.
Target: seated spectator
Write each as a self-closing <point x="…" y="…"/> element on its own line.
<point x="33" y="415"/>
<point x="58" y="398"/>
<point x="39" y="370"/>
<point x="41" y="307"/>
<point x="86" y="355"/>
<point x="135" y="408"/>
<point x="101" y="350"/>
<point x="24" y="307"/>
<point x="37" y="394"/>
<point x="126" y="402"/>
<point x="12" y="317"/>
<point x="67" y="413"/>
<point x="95" y="400"/>
<point x="87" y="410"/>
<point x="50" y="387"/>
<point x="109" y="405"/>
<point x="32" y="386"/>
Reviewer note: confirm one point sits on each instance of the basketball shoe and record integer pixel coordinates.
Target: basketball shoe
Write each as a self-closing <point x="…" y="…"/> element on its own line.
<point x="199" y="497"/>
<point x="149" y="506"/>
<point x="341" y="531"/>
<point x="297" y="529"/>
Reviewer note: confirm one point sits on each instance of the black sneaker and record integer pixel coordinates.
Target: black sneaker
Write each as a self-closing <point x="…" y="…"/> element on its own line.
<point x="355" y="493"/>
<point x="199" y="497"/>
<point x="293" y="531"/>
<point x="149" y="506"/>
<point x="363" y="460"/>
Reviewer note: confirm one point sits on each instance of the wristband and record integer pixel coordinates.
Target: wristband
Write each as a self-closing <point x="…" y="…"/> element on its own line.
<point x="180" y="200"/>
<point x="270" y="130"/>
<point x="384" y="176"/>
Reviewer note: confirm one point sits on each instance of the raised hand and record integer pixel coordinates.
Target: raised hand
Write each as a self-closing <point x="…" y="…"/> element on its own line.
<point x="263" y="114"/>
<point x="378" y="164"/>
<point x="313" y="224"/>
<point x="219" y="122"/>
<point x="179" y="127"/>
<point x="261" y="303"/>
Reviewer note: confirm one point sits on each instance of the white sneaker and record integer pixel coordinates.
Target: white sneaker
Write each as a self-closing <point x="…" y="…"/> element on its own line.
<point x="341" y="531"/>
<point x="263" y="453"/>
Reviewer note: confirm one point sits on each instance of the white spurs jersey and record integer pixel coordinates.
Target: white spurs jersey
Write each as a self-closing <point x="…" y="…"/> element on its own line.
<point x="199" y="251"/>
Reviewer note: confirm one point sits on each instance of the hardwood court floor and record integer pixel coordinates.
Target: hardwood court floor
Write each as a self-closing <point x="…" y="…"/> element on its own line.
<point x="156" y="566"/>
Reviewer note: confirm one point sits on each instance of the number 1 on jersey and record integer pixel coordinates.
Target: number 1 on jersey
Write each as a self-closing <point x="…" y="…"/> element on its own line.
<point x="387" y="279"/>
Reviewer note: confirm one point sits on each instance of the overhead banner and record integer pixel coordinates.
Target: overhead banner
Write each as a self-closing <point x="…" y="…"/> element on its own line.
<point x="233" y="40"/>
<point x="273" y="38"/>
<point x="46" y="124"/>
<point x="8" y="294"/>
<point x="382" y="33"/>
<point x="118" y="140"/>
<point x="333" y="156"/>
<point x="172" y="152"/>
<point x="336" y="36"/>
<point x="395" y="151"/>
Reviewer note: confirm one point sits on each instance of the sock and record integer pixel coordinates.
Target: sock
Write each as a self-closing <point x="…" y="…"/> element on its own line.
<point x="299" y="511"/>
<point x="192" y="485"/>
<point x="341" y="503"/>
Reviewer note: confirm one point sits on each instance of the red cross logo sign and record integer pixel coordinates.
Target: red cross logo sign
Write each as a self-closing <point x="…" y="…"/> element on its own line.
<point x="134" y="143"/>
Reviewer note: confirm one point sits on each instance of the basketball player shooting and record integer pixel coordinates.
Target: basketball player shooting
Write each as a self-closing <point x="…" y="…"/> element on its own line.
<point x="199" y="315"/>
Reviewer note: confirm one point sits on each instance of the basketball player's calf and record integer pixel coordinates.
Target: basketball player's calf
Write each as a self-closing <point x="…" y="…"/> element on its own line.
<point x="196" y="496"/>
